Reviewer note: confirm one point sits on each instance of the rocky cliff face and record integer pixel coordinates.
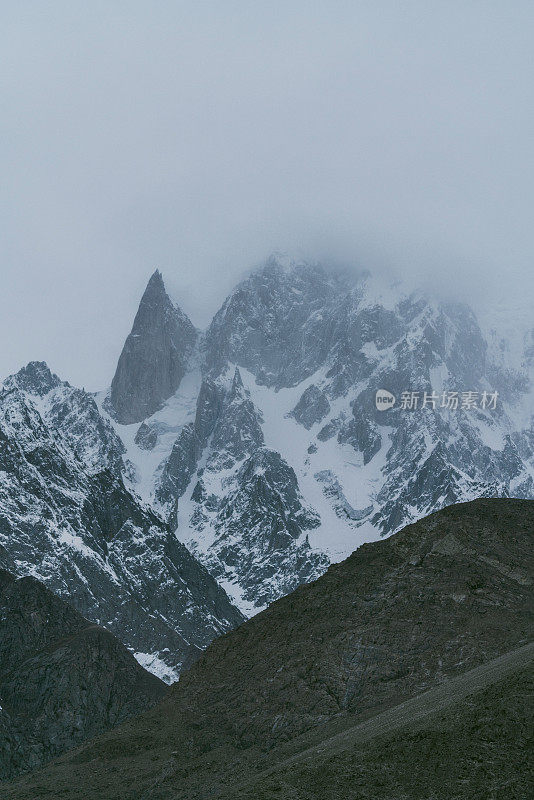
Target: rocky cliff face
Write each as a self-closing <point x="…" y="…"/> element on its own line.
<point x="290" y="365"/>
<point x="67" y="518"/>
<point x="154" y="357"/>
<point x="399" y="617"/>
<point x="245" y="510"/>
<point x="62" y="679"/>
<point x="274" y="323"/>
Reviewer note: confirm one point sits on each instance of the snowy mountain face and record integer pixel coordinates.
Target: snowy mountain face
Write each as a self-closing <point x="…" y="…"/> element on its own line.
<point x="242" y="461"/>
<point x="67" y="518"/>
<point x="271" y="459"/>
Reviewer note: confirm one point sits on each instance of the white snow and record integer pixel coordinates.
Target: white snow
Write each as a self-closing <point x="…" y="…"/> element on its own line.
<point x="157" y="667"/>
<point x="177" y="412"/>
<point x="359" y="483"/>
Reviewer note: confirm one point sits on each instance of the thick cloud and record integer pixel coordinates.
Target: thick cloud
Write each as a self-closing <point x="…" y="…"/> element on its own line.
<point x="197" y="137"/>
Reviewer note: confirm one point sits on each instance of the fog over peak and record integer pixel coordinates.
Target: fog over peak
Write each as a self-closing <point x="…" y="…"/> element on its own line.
<point x="199" y="137"/>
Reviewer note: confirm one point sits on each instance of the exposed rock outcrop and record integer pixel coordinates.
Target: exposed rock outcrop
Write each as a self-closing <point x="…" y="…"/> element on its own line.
<point x="154" y="357"/>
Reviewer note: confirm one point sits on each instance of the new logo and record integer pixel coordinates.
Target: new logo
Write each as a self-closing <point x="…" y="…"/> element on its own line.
<point x="384" y="400"/>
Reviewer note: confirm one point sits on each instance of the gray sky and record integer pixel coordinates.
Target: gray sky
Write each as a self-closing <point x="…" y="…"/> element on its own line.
<point x="199" y="136"/>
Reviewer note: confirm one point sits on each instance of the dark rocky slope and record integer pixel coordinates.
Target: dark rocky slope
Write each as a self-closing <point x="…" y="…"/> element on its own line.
<point x="470" y="746"/>
<point x="397" y="618"/>
<point x="62" y="679"/>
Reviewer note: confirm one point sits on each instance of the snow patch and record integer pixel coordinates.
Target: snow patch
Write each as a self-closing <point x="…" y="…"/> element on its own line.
<point x="152" y="663"/>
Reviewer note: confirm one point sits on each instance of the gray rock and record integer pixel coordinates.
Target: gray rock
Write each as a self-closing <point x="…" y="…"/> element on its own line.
<point x="209" y="405"/>
<point x="180" y="466"/>
<point x="237" y="432"/>
<point x="154" y="357"/>
<point x="274" y="324"/>
<point x="260" y="525"/>
<point x="182" y="462"/>
<point x="342" y="507"/>
<point x="329" y="430"/>
<point x="146" y="437"/>
<point x="312" y="407"/>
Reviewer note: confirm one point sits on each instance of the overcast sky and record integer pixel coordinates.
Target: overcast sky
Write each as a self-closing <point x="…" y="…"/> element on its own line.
<point x="199" y="136"/>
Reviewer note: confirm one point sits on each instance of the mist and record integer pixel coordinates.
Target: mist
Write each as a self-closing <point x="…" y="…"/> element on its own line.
<point x="198" y="137"/>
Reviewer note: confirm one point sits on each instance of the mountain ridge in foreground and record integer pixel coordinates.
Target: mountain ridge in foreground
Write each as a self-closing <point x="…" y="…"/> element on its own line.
<point x="398" y="618"/>
<point x="62" y="679"/>
<point x="462" y="724"/>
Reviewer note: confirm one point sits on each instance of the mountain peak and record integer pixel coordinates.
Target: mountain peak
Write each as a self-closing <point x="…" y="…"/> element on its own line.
<point x="154" y="357"/>
<point x="36" y="377"/>
<point x="281" y="260"/>
<point x="154" y="292"/>
<point x="156" y="280"/>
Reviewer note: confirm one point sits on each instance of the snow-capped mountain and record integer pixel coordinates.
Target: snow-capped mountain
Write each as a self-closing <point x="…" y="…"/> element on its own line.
<point x="67" y="518"/>
<point x="271" y="459"/>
